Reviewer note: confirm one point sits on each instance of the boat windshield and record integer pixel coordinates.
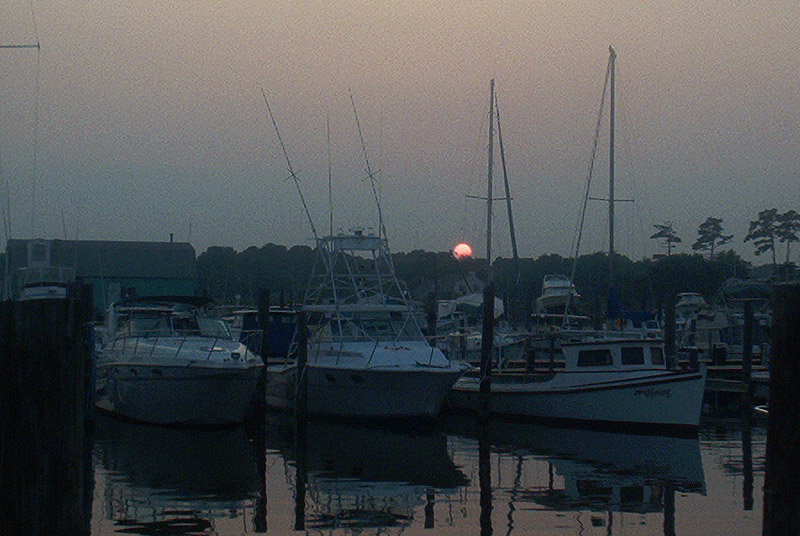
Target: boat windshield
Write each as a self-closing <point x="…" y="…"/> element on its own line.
<point x="213" y="327"/>
<point x="392" y="326"/>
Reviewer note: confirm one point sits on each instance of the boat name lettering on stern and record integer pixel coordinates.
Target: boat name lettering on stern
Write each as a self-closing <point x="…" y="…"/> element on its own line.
<point x="652" y="392"/>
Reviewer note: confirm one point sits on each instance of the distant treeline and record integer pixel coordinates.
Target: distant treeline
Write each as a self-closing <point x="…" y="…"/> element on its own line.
<point x="229" y="276"/>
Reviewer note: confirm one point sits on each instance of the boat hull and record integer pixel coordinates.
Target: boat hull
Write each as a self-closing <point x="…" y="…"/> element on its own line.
<point x="375" y="393"/>
<point x="180" y="395"/>
<point x="656" y="400"/>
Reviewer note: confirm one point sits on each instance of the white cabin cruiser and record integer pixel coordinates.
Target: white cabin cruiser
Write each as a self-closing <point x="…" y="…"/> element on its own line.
<point x="606" y="382"/>
<point x="367" y="356"/>
<point x="167" y="360"/>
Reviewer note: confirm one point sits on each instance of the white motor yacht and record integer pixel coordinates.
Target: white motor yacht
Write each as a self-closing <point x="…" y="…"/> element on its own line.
<point x="169" y="361"/>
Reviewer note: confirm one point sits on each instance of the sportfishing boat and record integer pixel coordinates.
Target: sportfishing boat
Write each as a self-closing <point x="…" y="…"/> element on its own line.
<point x="557" y="291"/>
<point x="367" y="356"/>
<point x="603" y="382"/>
<point x="168" y="360"/>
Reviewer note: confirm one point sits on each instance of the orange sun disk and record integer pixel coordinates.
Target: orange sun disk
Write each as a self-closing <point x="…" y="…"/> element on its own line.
<point x="462" y="251"/>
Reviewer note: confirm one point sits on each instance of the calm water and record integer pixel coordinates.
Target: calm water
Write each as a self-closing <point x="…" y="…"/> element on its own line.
<point x="454" y="479"/>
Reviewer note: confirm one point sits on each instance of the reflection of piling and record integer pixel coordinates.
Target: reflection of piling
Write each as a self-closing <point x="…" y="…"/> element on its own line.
<point x="301" y="421"/>
<point x="669" y="509"/>
<point x="747" y="458"/>
<point x="782" y="473"/>
<point x="487" y="339"/>
<point x="430" y="500"/>
<point x="485" y="479"/>
<point x="44" y="471"/>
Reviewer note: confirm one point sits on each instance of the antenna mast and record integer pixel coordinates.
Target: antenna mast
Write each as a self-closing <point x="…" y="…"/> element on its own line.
<point x="611" y="59"/>
<point x="330" y="188"/>
<point x="289" y="165"/>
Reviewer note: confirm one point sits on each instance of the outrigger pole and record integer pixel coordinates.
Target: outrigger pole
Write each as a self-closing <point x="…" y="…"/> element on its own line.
<point x="289" y="166"/>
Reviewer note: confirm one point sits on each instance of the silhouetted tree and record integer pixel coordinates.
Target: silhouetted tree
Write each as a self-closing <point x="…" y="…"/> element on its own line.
<point x="666" y="233"/>
<point x="710" y="237"/>
<point x="763" y="232"/>
<point x="787" y="229"/>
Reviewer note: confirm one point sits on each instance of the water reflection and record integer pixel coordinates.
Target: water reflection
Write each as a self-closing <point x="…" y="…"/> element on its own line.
<point x="457" y="478"/>
<point x="170" y="481"/>
<point x="537" y="467"/>
<point x="360" y="476"/>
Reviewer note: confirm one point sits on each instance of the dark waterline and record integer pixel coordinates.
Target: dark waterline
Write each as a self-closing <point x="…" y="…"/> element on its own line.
<point x="449" y="478"/>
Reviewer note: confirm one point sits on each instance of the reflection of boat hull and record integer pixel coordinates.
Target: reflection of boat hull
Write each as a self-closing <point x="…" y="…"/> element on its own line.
<point x="161" y="478"/>
<point x="646" y="399"/>
<point x="378" y="392"/>
<point x="172" y="394"/>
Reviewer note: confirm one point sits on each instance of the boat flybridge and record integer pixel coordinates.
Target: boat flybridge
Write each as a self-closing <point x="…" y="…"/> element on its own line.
<point x="367" y="356"/>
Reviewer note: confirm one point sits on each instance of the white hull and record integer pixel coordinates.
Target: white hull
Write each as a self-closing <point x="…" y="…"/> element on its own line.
<point x="380" y="392"/>
<point x="647" y="398"/>
<point x="174" y="394"/>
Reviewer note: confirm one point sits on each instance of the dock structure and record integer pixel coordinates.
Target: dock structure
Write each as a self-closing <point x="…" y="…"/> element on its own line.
<point x="45" y="461"/>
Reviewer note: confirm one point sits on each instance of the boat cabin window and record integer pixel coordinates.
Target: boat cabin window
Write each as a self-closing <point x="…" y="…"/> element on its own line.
<point x="657" y="354"/>
<point x="632" y="355"/>
<point x="600" y="357"/>
<point x="148" y="326"/>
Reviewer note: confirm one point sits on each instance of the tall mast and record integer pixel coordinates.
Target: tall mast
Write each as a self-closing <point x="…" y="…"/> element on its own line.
<point x="612" y="57"/>
<point x="489" y="185"/>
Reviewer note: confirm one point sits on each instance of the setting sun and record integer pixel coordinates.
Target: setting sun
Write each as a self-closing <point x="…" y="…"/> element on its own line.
<point x="462" y="251"/>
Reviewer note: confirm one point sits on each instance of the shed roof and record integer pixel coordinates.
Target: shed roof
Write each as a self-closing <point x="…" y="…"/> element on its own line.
<point x="102" y="258"/>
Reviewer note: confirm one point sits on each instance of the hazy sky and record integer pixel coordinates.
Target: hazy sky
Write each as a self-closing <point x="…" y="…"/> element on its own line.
<point x="151" y="118"/>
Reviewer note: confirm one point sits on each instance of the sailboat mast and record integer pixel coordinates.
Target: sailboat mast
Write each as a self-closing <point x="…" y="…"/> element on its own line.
<point x="489" y="185"/>
<point x="612" y="57"/>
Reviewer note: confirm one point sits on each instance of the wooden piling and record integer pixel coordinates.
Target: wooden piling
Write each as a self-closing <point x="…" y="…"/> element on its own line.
<point x="669" y="328"/>
<point x="747" y="350"/>
<point x="782" y="469"/>
<point x="487" y="340"/>
<point x="263" y="320"/>
<point x="44" y="469"/>
<point x="431" y="317"/>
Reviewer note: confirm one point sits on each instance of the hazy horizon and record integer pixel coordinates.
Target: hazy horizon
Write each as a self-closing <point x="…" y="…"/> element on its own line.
<point x="152" y="121"/>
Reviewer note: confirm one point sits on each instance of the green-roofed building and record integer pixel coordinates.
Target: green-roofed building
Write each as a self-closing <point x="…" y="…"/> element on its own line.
<point x="115" y="269"/>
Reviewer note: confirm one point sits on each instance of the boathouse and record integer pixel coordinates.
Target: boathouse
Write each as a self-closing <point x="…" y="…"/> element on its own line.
<point x="114" y="269"/>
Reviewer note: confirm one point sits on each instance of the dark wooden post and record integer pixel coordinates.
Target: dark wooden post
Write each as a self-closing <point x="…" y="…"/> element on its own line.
<point x="551" y="339"/>
<point x="747" y="352"/>
<point x="43" y="404"/>
<point x="263" y="321"/>
<point x="431" y="316"/>
<point x="669" y="328"/>
<point x="487" y="340"/>
<point x="782" y="474"/>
